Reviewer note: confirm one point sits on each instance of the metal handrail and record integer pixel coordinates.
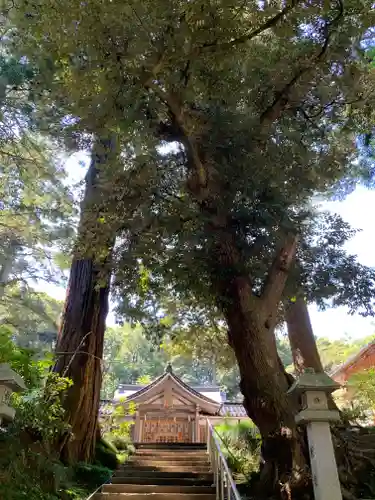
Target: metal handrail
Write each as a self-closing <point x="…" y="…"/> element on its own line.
<point x="222" y="440"/>
<point x="226" y="488"/>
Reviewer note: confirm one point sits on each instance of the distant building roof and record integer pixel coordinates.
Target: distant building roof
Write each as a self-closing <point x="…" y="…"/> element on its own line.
<point x="232" y="410"/>
<point x="363" y="360"/>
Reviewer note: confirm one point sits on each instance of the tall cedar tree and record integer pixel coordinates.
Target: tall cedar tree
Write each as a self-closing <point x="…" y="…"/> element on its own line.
<point x="80" y="340"/>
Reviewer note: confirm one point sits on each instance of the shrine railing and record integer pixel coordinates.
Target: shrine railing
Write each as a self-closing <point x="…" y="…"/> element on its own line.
<point x="226" y="488"/>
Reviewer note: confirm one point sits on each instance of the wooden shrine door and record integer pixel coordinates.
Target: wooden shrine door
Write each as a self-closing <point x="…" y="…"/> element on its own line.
<point x="167" y="431"/>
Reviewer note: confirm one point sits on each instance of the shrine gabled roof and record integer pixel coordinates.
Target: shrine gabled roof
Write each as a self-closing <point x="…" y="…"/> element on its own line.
<point x="349" y="366"/>
<point x="168" y="374"/>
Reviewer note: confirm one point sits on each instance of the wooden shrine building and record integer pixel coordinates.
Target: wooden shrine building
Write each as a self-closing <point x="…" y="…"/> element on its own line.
<point x="170" y="411"/>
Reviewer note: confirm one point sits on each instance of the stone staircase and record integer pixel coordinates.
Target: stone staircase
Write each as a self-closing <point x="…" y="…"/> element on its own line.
<point x="162" y="472"/>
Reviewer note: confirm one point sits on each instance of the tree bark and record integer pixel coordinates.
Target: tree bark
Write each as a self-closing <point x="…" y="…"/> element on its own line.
<point x="264" y="382"/>
<point x="250" y="319"/>
<point x="79" y="348"/>
<point x="301" y="337"/>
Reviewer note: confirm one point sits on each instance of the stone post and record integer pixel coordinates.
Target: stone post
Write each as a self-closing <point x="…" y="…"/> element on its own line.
<point x="196" y="430"/>
<point x="314" y="389"/>
<point x="137" y="427"/>
<point x="10" y="382"/>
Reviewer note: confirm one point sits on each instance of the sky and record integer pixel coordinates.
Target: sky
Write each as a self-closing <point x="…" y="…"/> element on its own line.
<point x="355" y="209"/>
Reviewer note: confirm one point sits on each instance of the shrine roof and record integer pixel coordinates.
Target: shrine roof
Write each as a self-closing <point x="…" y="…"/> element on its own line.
<point x="353" y="364"/>
<point x="168" y="374"/>
<point x="230" y="409"/>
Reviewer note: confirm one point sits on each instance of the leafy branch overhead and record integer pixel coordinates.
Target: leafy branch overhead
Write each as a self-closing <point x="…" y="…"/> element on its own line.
<point x="261" y="105"/>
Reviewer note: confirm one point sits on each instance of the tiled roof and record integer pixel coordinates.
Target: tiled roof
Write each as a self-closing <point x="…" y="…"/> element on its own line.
<point x="226" y="409"/>
<point x="105" y="408"/>
<point x="350" y="364"/>
<point x="232" y="410"/>
<point x="166" y="374"/>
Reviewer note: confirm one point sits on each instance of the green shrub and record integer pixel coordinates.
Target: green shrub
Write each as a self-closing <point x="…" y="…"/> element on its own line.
<point x="39" y="412"/>
<point x="22" y="360"/>
<point x="105" y="456"/>
<point x="122" y="443"/>
<point x="29" y="466"/>
<point x="109" y="444"/>
<point x="28" y="472"/>
<point x="91" y="475"/>
<point x="241" y="445"/>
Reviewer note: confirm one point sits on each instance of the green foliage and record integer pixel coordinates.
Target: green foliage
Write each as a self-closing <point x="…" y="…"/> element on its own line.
<point x="40" y="412"/>
<point x="127" y="356"/>
<point x="116" y="429"/>
<point x="91" y="475"/>
<point x="364" y="385"/>
<point x="121" y="442"/>
<point x="105" y="455"/>
<point x="144" y="380"/>
<point x="36" y="212"/>
<point x="28" y="472"/>
<point x="269" y="109"/>
<point x="28" y="463"/>
<point x="261" y="104"/>
<point x="130" y="357"/>
<point x="241" y="446"/>
<point x="335" y="352"/>
<point x="199" y="355"/>
<point x="22" y="360"/>
<point x="32" y="316"/>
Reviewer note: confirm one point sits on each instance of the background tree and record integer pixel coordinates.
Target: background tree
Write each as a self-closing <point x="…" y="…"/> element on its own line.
<point x="32" y="316"/>
<point x="326" y="274"/>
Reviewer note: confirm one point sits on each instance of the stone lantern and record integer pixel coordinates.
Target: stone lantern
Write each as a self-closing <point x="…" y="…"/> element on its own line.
<point x="10" y="382"/>
<point x="314" y="389"/>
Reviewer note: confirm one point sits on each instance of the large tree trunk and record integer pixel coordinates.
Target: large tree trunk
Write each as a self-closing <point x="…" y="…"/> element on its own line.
<point x="264" y="382"/>
<point x="302" y="340"/>
<point x="80" y="342"/>
<point x="251" y="320"/>
<point x="301" y="337"/>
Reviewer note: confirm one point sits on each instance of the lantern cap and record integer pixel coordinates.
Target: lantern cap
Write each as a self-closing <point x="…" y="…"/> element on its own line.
<point x="309" y="380"/>
<point x="9" y="378"/>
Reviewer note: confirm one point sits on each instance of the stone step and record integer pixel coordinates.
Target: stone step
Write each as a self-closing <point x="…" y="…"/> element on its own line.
<point x="200" y="458"/>
<point x="156" y="488"/>
<point x="170" y="446"/>
<point x="133" y="469"/>
<point x="153" y="496"/>
<point x="162" y="455"/>
<point x="125" y="473"/>
<point x="157" y="462"/>
<point x="164" y="480"/>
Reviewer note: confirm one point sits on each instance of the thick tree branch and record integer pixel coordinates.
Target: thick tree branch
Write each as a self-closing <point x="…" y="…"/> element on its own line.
<point x="178" y="121"/>
<point x="282" y="97"/>
<point x="252" y="34"/>
<point x="276" y="279"/>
